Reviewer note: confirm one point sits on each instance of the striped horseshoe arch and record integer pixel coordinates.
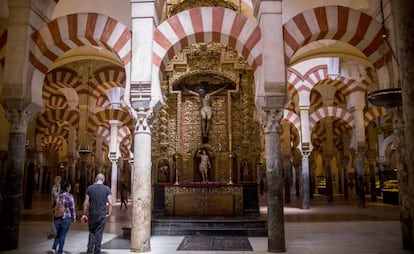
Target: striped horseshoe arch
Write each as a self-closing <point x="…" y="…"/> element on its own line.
<point x="207" y="24"/>
<point x="72" y="31"/>
<point x="374" y="113"/>
<point x="330" y="112"/>
<point x="336" y="23"/>
<point x="292" y="118"/>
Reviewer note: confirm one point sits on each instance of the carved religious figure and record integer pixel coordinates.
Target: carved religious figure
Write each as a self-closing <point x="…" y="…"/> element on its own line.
<point x="206" y="110"/>
<point x="204" y="165"/>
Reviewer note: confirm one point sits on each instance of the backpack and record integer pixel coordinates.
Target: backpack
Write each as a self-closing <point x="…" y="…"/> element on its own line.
<point x="59" y="209"/>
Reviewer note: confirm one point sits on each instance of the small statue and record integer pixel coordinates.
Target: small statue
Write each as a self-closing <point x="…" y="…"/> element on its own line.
<point x="204" y="164"/>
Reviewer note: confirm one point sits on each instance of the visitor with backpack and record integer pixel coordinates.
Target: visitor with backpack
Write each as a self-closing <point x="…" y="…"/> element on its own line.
<point x="64" y="214"/>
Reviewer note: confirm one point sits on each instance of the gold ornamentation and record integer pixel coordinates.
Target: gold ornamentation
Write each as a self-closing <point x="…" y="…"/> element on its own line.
<point x="201" y="194"/>
<point x="190" y="4"/>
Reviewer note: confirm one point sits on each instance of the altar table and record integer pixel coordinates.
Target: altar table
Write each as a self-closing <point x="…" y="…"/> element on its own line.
<point x="203" y="199"/>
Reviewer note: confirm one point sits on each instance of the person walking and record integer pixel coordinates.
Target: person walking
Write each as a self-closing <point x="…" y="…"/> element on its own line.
<point x="53" y="196"/>
<point x="63" y="223"/>
<point x="96" y="207"/>
<point x="124" y="197"/>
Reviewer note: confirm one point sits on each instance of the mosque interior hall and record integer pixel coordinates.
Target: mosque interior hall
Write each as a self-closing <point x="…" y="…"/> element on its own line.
<point x="217" y="117"/>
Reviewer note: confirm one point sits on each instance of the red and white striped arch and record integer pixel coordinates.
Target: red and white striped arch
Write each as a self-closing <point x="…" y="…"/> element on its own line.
<point x="76" y="30"/>
<point x="105" y="116"/>
<point x="374" y="113"/>
<point x="58" y="79"/>
<point x="207" y="24"/>
<point x="336" y="23"/>
<point x="303" y="84"/>
<point x="334" y="112"/>
<point x="292" y="118"/>
<point x="58" y="115"/>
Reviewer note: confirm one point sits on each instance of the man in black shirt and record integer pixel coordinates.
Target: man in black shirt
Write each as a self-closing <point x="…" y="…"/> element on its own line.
<point x="95" y="211"/>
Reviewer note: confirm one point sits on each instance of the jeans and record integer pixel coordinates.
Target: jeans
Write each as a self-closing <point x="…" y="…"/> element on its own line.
<point x="96" y="228"/>
<point x="62" y="228"/>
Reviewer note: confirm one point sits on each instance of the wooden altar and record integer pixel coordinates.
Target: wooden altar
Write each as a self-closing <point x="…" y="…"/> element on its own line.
<point x="203" y="199"/>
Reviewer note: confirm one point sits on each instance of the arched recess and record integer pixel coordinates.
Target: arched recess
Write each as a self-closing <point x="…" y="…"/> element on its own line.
<point x="336" y="23"/>
<point x="205" y="24"/>
<point x="72" y="31"/>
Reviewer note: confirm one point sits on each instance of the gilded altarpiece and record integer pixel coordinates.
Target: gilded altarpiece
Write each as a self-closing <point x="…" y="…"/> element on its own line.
<point x="234" y="143"/>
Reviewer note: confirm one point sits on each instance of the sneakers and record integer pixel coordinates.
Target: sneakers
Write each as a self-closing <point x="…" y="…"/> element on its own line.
<point x="53" y="251"/>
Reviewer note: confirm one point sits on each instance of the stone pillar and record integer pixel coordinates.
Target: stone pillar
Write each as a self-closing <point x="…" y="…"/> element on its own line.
<point x="358" y="145"/>
<point x="306" y="147"/>
<point x="99" y="159"/>
<point x="113" y="157"/>
<point x="372" y="163"/>
<point x="345" y="161"/>
<point x="380" y="161"/>
<point x="404" y="19"/>
<point x="84" y="154"/>
<point x="327" y="155"/>
<point x="141" y="184"/>
<point x="372" y="158"/>
<point x="10" y="210"/>
<point x="287" y="167"/>
<point x="305" y="180"/>
<point x="274" y="175"/>
<point x="400" y="143"/>
<point x="71" y="155"/>
<point x="359" y="171"/>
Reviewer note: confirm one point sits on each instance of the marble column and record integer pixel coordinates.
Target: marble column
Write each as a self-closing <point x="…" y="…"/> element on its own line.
<point x="10" y="207"/>
<point x="113" y="157"/>
<point x="71" y="155"/>
<point x="274" y="175"/>
<point x="327" y="155"/>
<point x="404" y="25"/>
<point x="400" y="143"/>
<point x="84" y="154"/>
<point x="345" y="161"/>
<point x="141" y="183"/>
<point x="358" y="145"/>
<point x="372" y="183"/>
<point x="287" y="167"/>
<point x="372" y="156"/>
<point x="359" y="170"/>
<point x="305" y="180"/>
<point x="306" y="190"/>
<point x="380" y="161"/>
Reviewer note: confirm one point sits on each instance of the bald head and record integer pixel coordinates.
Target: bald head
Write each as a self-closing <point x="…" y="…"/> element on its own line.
<point x="100" y="177"/>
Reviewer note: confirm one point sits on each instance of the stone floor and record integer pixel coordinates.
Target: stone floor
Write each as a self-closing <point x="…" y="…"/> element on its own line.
<point x="338" y="227"/>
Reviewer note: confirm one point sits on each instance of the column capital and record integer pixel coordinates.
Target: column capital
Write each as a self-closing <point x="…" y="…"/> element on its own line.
<point x="271" y="119"/>
<point x="19" y="119"/>
<point x="144" y="118"/>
